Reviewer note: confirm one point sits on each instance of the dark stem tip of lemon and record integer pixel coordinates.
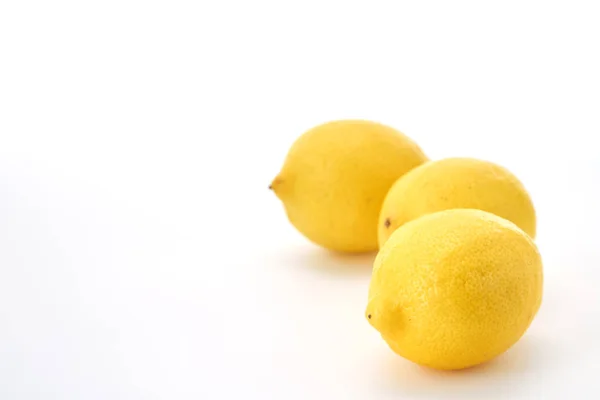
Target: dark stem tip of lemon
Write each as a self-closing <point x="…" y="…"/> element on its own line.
<point x="275" y="184"/>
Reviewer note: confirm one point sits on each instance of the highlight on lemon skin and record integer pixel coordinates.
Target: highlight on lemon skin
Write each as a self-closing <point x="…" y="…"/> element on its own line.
<point x="335" y="177"/>
<point x="455" y="288"/>
<point x="456" y="183"/>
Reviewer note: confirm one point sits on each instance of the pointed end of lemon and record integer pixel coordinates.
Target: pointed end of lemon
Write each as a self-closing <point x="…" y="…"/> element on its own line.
<point x="370" y="315"/>
<point x="382" y="315"/>
<point x="276" y="184"/>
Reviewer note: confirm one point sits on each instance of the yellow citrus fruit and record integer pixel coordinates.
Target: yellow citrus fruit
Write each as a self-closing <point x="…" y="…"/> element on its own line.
<point x="456" y="183"/>
<point x="455" y="288"/>
<point x="335" y="177"/>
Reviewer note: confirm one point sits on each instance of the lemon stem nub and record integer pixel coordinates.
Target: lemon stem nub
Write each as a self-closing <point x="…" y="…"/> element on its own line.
<point x="276" y="183"/>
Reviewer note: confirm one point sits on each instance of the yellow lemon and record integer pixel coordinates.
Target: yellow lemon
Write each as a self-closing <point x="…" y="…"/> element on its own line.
<point x="456" y="183"/>
<point x="335" y="177"/>
<point x="455" y="288"/>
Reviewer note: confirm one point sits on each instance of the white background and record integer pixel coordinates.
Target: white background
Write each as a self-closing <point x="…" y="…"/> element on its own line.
<point x="141" y="254"/>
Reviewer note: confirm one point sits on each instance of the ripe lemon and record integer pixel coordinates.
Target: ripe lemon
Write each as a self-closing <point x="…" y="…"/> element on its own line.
<point x="456" y="183"/>
<point x="335" y="177"/>
<point x="455" y="288"/>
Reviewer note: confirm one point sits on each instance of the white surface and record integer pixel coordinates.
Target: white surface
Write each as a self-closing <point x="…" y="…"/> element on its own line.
<point x="141" y="254"/>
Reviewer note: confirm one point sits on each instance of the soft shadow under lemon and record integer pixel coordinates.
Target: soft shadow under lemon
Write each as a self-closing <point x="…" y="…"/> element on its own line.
<point x="403" y="377"/>
<point x="328" y="262"/>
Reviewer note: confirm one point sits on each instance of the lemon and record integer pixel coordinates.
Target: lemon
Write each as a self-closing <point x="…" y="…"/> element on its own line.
<point x="455" y="288"/>
<point x="335" y="177"/>
<point x="456" y="183"/>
